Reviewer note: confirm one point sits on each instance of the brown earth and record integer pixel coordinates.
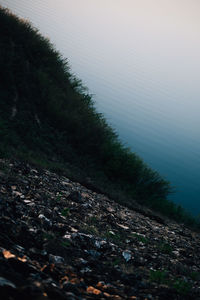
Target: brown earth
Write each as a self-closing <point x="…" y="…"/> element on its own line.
<point x="59" y="240"/>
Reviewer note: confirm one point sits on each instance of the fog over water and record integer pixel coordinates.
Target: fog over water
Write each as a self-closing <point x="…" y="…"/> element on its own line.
<point x="141" y="60"/>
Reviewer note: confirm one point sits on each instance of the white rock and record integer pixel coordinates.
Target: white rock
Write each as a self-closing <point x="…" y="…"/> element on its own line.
<point x="56" y="259"/>
<point x="127" y="255"/>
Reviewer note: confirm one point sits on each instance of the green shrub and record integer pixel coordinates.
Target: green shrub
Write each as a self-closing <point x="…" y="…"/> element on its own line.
<point x="65" y="212"/>
<point x="181" y="286"/>
<point x="159" y="276"/>
<point x="165" y="247"/>
<point x="141" y="238"/>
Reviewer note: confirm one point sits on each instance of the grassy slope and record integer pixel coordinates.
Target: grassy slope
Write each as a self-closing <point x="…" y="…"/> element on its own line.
<point x="47" y="117"/>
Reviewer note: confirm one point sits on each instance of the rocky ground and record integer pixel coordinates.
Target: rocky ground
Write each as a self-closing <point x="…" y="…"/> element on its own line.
<point x="59" y="240"/>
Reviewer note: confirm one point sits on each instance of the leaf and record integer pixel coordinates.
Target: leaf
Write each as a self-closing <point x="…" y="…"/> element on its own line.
<point x="23" y="259"/>
<point x="92" y="290"/>
<point x="7" y="254"/>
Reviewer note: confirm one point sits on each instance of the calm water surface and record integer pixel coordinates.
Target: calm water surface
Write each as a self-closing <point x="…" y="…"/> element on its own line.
<point x="140" y="59"/>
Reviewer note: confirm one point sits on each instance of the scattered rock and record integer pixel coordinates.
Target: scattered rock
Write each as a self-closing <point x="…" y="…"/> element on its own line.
<point x="56" y="259"/>
<point x="127" y="255"/>
<point x="75" y="196"/>
<point x="60" y="240"/>
<point x="6" y="283"/>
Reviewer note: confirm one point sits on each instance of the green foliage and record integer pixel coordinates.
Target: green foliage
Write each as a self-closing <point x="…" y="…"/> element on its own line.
<point x="165" y="247"/>
<point x="65" y="244"/>
<point x="90" y="229"/>
<point x="65" y="212"/>
<point x="92" y="221"/>
<point x="58" y="197"/>
<point x="141" y="238"/>
<point x="47" y="236"/>
<point x="181" y="286"/>
<point x="115" y="237"/>
<point x="55" y="122"/>
<point x="159" y="276"/>
<point x="116" y="261"/>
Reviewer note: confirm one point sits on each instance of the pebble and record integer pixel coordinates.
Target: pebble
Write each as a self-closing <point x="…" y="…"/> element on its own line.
<point x="43" y="251"/>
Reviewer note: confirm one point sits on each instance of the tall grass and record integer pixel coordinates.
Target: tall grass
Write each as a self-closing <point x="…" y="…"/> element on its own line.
<point x="55" y="119"/>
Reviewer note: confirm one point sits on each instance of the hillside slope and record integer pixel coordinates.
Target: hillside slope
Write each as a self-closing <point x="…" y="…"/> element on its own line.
<point x="48" y="117"/>
<point x="60" y="240"/>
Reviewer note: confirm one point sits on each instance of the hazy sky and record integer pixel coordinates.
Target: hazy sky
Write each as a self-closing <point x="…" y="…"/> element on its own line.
<point x="141" y="60"/>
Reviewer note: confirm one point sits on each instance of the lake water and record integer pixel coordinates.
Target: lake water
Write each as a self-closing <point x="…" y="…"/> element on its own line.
<point x="141" y="60"/>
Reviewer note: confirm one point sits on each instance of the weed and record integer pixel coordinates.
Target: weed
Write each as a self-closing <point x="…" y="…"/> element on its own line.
<point x="65" y="212"/>
<point x="116" y="261"/>
<point x="158" y="276"/>
<point x="127" y="269"/>
<point x="90" y="229"/>
<point x="165" y="247"/>
<point x="58" y="197"/>
<point x="48" y="236"/>
<point x="141" y="238"/>
<point x="181" y="286"/>
<point x="114" y="237"/>
<point x="65" y="243"/>
<point x="92" y="220"/>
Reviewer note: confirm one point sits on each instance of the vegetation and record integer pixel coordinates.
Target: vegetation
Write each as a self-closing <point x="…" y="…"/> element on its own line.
<point x="48" y="118"/>
<point x="65" y="212"/>
<point x="159" y="276"/>
<point x="165" y="247"/>
<point x="183" y="287"/>
<point x="141" y="238"/>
